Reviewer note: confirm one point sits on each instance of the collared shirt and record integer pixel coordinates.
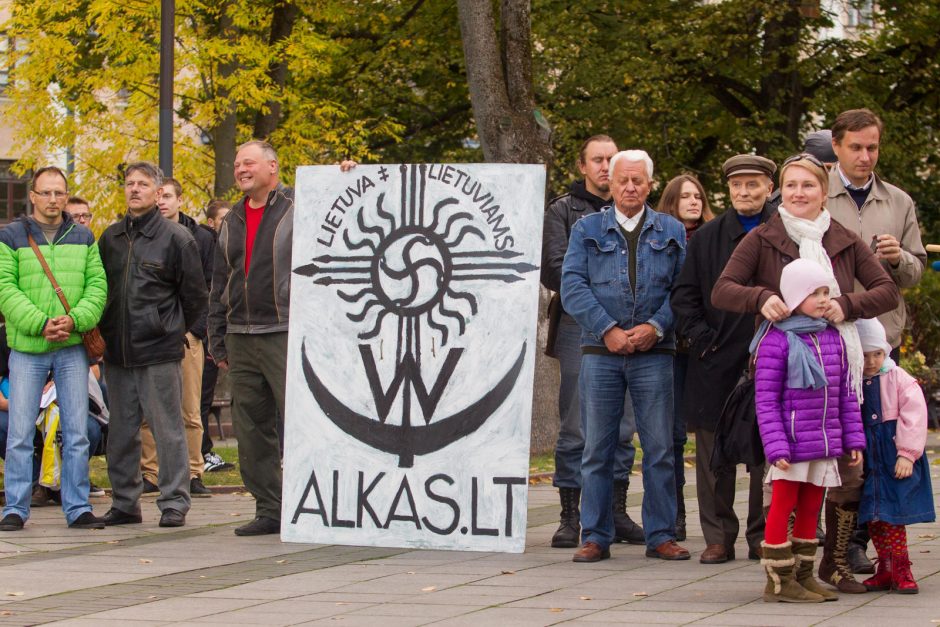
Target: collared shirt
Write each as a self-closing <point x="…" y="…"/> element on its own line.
<point x="628" y="224"/>
<point x="848" y="184"/>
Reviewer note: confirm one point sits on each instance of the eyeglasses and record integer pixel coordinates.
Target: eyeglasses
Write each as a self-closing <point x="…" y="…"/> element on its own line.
<point x="807" y="157"/>
<point x="81" y="217"/>
<point x="51" y="194"/>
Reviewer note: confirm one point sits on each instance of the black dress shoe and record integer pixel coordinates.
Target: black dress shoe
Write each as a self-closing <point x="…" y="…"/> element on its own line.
<point x="197" y="489"/>
<point x="150" y="487"/>
<point x="117" y="517"/>
<point x="87" y="521"/>
<point x="858" y="560"/>
<point x="11" y="522"/>
<point x="172" y="518"/>
<point x="260" y="526"/>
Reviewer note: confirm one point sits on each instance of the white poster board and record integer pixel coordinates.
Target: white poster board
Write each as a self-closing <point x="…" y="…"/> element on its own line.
<point x="411" y="356"/>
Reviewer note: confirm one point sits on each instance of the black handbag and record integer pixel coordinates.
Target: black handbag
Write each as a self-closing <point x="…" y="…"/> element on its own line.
<point x="737" y="437"/>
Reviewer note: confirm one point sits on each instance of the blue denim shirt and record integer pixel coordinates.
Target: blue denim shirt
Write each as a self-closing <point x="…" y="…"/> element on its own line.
<point x="595" y="279"/>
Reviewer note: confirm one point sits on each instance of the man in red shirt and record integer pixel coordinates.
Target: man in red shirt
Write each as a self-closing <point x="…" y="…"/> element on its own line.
<point x="248" y="313"/>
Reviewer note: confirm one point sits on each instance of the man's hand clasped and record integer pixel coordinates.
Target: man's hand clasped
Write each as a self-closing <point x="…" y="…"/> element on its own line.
<point x="58" y="329"/>
<point x="626" y="342"/>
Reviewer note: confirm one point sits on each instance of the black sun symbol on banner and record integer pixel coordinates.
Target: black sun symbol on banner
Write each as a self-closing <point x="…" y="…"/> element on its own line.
<point x="411" y="271"/>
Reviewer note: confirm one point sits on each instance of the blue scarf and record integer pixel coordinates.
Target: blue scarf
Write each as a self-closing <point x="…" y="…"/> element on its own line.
<point x="803" y="369"/>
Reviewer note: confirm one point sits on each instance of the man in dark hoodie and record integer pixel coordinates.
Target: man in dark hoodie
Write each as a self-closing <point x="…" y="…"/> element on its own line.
<point x="170" y="201"/>
<point x="587" y="196"/>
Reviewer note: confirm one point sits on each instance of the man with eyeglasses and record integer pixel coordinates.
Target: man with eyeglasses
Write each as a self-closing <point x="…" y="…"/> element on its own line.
<point x="45" y="340"/>
<point x="79" y="209"/>
<point x="885" y="216"/>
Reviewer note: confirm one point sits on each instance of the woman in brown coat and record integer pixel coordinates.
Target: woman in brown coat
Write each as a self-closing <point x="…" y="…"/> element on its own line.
<point x="750" y="283"/>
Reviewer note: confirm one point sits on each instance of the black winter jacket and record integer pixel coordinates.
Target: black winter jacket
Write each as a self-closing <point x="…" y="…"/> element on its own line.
<point x="718" y="339"/>
<point x="258" y="302"/>
<point x="205" y="242"/>
<point x="561" y="215"/>
<point x="156" y="289"/>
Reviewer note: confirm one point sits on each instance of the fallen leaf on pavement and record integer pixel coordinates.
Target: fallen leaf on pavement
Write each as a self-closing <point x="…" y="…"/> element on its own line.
<point x="556" y="609"/>
<point x="585" y="598"/>
<point x="15" y="594"/>
<point x="153" y="596"/>
<point x="6" y="613"/>
<point x="429" y="589"/>
<point x="113" y="542"/>
<point x="145" y="561"/>
<point x="928" y="536"/>
<point x="410" y="572"/>
<point x="282" y="561"/>
<point x="234" y="514"/>
<point x="509" y="572"/>
<point x="342" y="602"/>
<point x="641" y="594"/>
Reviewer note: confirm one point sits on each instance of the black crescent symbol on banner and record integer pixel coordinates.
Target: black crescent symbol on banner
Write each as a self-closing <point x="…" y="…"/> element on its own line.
<point x="413" y="440"/>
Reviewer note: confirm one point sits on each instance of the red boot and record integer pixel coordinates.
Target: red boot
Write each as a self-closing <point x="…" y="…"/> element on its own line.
<point x="902" y="580"/>
<point x="882" y="579"/>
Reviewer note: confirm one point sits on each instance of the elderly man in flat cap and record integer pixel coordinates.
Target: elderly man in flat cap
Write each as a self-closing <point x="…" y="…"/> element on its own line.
<point x="719" y="352"/>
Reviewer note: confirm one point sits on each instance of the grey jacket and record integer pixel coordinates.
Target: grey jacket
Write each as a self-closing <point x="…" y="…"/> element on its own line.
<point x="887" y="210"/>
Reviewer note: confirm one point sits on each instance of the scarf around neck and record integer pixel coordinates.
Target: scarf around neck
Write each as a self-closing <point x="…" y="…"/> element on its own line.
<point x="808" y="234"/>
<point x="804" y="370"/>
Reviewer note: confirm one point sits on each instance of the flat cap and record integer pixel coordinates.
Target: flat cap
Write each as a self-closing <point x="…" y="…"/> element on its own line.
<point x="819" y="144"/>
<point x="748" y="164"/>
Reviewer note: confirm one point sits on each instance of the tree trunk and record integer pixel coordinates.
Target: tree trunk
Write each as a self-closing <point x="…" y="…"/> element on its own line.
<point x="499" y="74"/>
<point x="224" y="134"/>
<point x="282" y="25"/>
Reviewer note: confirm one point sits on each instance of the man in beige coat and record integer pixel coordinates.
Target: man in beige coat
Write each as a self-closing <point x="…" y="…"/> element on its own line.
<point x="884" y="216"/>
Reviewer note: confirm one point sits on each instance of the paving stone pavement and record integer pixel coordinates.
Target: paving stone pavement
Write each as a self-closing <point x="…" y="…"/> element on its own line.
<point x="203" y="574"/>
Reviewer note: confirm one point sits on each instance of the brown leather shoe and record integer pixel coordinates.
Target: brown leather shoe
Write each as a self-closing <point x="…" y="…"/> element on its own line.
<point x="716" y="554"/>
<point x="590" y="552"/>
<point x="668" y="550"/>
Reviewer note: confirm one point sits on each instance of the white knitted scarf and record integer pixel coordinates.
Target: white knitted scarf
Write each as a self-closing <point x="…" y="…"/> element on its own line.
<point x="808" y="236"/>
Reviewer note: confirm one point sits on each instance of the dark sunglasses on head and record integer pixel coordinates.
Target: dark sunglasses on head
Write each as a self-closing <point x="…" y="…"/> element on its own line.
<point x="808" y="157"/>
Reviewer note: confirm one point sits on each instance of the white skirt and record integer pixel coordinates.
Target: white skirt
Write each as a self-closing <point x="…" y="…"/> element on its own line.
<point x="821" y="472"/>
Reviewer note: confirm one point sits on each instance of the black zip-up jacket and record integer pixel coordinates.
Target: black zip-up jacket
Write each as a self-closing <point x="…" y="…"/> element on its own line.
<point x="257" y="302"/>
<point x="560" y="216"/>
<point x="156" y="289"/>
<point x="205" y="242"/>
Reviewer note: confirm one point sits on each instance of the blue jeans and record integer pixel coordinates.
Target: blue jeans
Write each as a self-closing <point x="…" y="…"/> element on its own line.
<point x="28" y="375"/>
<point x="679" y="434"/>
<point x="570" y="445"/>
<point x="604" y="382"/>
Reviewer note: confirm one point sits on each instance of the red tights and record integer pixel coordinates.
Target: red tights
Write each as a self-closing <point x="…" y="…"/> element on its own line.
<point x="805" y="498"/>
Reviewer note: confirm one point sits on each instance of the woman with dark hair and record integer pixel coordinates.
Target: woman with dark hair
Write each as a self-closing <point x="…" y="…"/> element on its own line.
<point x="684" y="199"/>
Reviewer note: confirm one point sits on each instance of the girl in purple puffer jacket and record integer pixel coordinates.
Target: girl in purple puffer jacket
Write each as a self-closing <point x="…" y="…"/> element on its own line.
<point x="808" y="416"/>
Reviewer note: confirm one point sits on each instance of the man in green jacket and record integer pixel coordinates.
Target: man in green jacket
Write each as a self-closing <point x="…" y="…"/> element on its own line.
<point x="45" y="340"/>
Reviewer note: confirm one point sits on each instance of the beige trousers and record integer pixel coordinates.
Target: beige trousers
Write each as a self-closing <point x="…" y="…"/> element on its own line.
<point x="191" y="366"/>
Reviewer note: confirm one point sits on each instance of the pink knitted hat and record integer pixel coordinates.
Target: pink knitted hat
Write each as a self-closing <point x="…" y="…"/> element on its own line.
<point x="800" y="278"/>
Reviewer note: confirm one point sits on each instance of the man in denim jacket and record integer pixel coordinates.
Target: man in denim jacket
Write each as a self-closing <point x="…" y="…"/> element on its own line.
<point x="618" y="272"/>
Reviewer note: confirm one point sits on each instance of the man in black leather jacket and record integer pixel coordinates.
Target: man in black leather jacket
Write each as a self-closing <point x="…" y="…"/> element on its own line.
<point x="156" y="292"/>
<point x="586" y="197"/>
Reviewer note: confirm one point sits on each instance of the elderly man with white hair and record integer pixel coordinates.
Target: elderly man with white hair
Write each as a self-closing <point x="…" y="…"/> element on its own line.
<point x="618" y="272"/>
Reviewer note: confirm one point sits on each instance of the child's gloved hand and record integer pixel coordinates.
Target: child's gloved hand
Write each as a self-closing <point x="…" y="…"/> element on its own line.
<point x="782" y="464"/>
<point x="856" y="458"/>
<point x="903" y="468"/>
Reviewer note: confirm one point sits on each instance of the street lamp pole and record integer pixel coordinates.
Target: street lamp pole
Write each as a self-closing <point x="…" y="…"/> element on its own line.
<point x="167" y="35"/>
